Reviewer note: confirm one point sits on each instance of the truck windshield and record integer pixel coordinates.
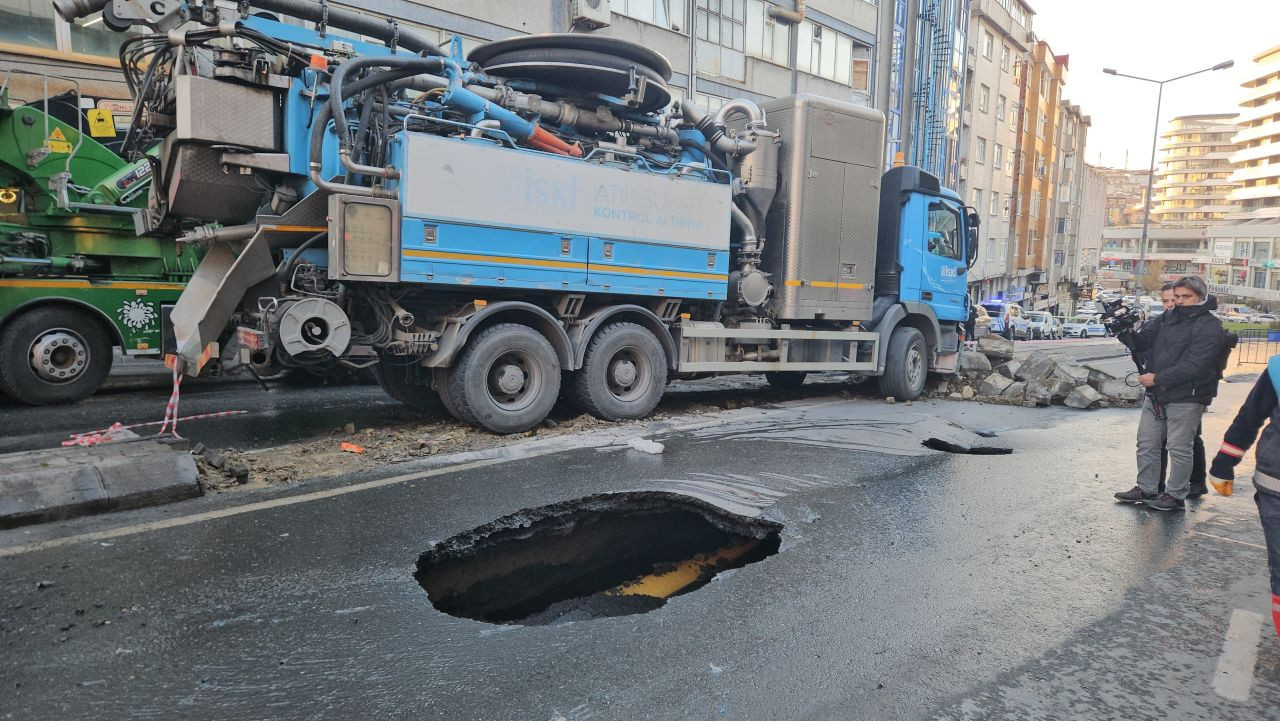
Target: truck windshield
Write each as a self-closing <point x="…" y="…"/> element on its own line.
<point x="944" y="231"/>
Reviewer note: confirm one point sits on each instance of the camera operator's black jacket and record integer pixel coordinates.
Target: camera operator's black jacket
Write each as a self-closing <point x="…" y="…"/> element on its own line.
<point x="1183" y="347"/>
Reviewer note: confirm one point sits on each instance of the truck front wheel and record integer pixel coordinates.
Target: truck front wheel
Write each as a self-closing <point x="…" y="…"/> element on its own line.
<point x="506" y="379"/>
<point x="623" y="374"/>
<point x="53" y="355"/>
<point x="907" y="365"/>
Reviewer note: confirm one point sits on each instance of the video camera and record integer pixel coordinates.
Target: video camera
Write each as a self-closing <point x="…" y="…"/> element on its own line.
<point x="1118" y="317"/>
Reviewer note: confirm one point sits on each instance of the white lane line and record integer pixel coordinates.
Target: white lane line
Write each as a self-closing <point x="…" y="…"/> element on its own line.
<point x="1230" y="540"/>
<point x="246" y="508"/>
<point x="1234" y="675"/>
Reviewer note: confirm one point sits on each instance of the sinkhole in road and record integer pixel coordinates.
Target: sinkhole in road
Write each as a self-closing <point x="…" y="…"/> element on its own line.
<point x="604" y="555"/>
<point x="938" y="444"/>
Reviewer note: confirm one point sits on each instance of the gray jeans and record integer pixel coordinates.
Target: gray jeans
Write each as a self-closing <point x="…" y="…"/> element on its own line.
<point x="1177" y="432"/>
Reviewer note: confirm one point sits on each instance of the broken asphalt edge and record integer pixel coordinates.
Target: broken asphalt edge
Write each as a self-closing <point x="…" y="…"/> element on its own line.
<point x="59" y="483"/>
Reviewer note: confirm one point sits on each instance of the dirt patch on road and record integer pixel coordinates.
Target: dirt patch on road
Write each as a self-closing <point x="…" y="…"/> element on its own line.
<point x="350" y="449"/>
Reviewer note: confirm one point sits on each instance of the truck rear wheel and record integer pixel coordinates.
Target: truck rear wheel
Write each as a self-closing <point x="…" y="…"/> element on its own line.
<point x="506" y="379"/>
<point x="623" y="374"/>
<point x="402" y="383"/>
<point x="907" y="365"/>
<point x="53" y="355"/>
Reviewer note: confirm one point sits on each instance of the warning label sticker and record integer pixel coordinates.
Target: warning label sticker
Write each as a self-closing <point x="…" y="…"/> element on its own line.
<point x="102" y="123"/>
<point x="57" y="142"/>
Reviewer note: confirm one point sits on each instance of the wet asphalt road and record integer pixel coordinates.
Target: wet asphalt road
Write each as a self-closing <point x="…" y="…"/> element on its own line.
<point x="910" y="585"/>
<point x="295" y="410"/>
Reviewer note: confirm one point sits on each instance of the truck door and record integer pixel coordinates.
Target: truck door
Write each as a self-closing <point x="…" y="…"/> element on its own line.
<point x="942" y="270"/>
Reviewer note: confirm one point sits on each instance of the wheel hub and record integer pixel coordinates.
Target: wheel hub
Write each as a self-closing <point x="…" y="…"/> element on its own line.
<point x="624" y="372"/>
<point x="58" y="356"/>
<point x="509" y="378"/>
<point x="914" y="366"/>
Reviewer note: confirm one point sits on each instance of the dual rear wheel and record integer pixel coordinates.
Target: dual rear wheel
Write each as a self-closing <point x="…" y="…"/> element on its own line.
<point x="507" y="377"/>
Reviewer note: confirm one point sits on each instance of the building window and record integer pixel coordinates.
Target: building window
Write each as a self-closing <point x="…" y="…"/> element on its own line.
<point x="766" y="39"/>
<point x="994" y="210"/>
<point x="1001" y="102"/>
<point x="1035" y="204"/>
<point x="977" y="198"/>
<point x="720" y="27"/>
<point x="1006" y="206"/>
<point x="830" y="54"/>
<point x="997" y="159"/>
<point x="981" y="151"/>
<point x="1008" y="164"/>
<point x="984" y="98"/>
<point x="658" y="12"/>
<point x="1005" y="54"/>
<point x="988" y="44"/>
<point x="32" y="24"/>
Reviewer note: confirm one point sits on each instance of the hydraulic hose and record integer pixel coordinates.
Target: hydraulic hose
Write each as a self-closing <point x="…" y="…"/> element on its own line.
<point x="321" y="122"/>
<point x="714" y="131"/>
<point x="337" y="94"/>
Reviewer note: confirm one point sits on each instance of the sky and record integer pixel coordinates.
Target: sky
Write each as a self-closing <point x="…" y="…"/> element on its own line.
<point x="1156" y="39"/>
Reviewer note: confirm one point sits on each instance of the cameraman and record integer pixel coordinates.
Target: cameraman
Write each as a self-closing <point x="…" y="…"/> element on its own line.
<point x="1182" y="353"/>
<point x="1198" y="477"/>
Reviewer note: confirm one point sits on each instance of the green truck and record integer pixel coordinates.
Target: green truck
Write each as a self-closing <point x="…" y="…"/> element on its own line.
<point x="76" y="279"/>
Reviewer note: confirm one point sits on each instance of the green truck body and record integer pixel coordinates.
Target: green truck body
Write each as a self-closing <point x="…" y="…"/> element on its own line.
<point x="76" y="279"/>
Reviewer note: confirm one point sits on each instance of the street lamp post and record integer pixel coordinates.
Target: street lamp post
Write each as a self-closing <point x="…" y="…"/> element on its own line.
<point x="1141" y="269"/>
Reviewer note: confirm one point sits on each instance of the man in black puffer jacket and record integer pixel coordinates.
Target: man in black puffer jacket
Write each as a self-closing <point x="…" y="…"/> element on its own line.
<point x="1182" y="353"/>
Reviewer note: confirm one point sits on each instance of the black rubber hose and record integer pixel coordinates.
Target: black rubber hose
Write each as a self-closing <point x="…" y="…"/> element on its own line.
<point x="321" y="119"/>
<point x="337" y="94"/>
<point x="289" y="262"/>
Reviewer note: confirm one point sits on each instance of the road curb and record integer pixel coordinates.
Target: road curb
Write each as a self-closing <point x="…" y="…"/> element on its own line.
<point x="59" y="483"/>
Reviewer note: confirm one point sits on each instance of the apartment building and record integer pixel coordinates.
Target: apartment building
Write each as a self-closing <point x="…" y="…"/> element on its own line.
<point x="999" y="44"/>
<point x="1063" y="249"/>
<point x="1193" y="180"/>
<point x="1042" y="79"/>
<point x="1246" y="248"/>
<point x="1092" y="220"/>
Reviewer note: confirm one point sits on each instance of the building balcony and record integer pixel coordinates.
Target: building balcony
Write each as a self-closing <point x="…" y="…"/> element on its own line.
<point x="1255" y="192"/>
<point x="1271" y="87"/>
<point x="1257" y="132"/>
<point x="1258" y="112"/>
<point x="1266" y="150"/>
<point x="1258" y="172"/>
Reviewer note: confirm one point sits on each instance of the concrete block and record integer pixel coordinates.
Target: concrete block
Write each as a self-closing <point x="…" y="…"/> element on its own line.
<point x="1039" y="392"/>
<point x="1016" y="392"/>
<point x="47" y="485"/>
<point x="972" y="362"/>
<point x="1072" y="372"/>
<point x="1009" y="369"/>
<point x="994" y="347"/>
<point x="1082" y="396"/>
<point x="994" y="385"/>
<point x="1036" y="366"/>
<point x="1120" y="391"/>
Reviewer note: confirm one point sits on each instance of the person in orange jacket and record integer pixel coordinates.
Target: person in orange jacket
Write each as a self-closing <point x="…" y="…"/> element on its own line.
<point x="1261" y="405"/>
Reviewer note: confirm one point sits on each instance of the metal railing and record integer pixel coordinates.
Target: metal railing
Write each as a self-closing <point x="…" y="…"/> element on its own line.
<point x="1257" y="345"/>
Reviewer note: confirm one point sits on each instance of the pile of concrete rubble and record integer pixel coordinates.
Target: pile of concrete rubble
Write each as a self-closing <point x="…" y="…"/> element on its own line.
<point x="992" y="375"/>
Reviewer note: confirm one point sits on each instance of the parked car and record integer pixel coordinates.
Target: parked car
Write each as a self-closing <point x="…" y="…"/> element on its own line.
<point x="1265" y="318"/>
<point x="1043" y="325"/>
<point x="1008" y="320"/>
<point x="1082" y="326"/>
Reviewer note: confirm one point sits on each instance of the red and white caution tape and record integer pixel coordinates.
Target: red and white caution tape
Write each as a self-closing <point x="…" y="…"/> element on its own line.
<point x="106" y="435"/>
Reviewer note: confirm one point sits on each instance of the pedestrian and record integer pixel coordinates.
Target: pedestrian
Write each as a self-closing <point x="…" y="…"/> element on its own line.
<point x="1182" y="355"/>
<point x="1198" y="487"/>
<point x="1258" y="407"/>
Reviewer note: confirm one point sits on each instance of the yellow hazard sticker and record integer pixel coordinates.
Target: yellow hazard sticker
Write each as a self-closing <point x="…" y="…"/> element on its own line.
<point x="57" y="142"/>
<point x="102" y="124"/>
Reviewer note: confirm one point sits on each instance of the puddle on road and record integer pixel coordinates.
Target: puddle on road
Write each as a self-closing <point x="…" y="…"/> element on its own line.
<point x="599" y="556"/>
